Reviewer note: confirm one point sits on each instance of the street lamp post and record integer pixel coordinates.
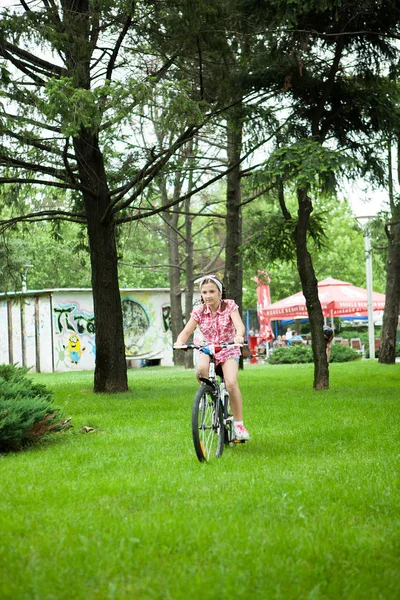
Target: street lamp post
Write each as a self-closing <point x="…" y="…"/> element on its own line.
<point x="368" y="272"/>
<point x="24" y="277"/>
<point x="368" y="269"/>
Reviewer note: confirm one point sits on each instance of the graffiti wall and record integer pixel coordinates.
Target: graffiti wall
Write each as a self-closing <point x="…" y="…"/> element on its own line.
<point x="55" y="331"/>
<point x="147" y="325"/>
<point x="73" y="331"/>
<point x="147" y="331"/>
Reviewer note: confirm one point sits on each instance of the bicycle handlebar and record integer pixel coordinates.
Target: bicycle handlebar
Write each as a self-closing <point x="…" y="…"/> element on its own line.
<point x="204" y="347"/>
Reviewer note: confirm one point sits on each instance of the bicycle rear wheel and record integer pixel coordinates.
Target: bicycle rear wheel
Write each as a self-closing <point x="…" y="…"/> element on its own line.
<point x="207" y="424"/>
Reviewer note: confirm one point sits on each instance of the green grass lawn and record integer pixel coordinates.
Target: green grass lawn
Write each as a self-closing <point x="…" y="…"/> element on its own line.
<point x="308" y="509"/>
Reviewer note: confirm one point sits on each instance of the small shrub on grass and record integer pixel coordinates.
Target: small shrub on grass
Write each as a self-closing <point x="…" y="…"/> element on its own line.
<point x="340" y="353"/>
<point x="303" y="354"/>
<point x="291" y="355"/>
<point x="26" y="410"/>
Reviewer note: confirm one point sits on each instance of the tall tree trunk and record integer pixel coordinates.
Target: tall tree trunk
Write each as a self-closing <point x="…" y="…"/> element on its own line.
<point x="110" y="371"/>
<point x="309" y="286"/>
<point x="387" y="351"/>
<point x="189" y="246"/>
<point x="174" y="271"/>
<point x="175" y="295"/>
<point x="233" y="278"/>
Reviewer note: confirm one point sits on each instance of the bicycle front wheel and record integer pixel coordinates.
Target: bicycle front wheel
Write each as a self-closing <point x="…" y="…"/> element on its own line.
<point x="207" y="424"/>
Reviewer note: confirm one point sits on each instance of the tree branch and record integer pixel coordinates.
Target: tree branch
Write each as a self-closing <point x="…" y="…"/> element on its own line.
<point x="281" y="197"/>
<point x="118" y="43"/>
<point x="22" y="67"/>
<point x="315" y="125"/>
<point x="199" y="214"/>
<point x="213" y="261"/>
<point x="166" y="266"/>
<point x="57" y="184"/>
<point x="66" y="163"/>
<point x="29" y="121"/>
<point x="123" y="190"/>
<point x="223" y="215"/>
<point x="154" y="211"/>
<point x="150" y="175"/>
<point x="36" y="63"/>
<point x="257" y="195"/>
<point x="31" y="141"/>
<point x="9" y="161"/>
<point x="54" y="215"/>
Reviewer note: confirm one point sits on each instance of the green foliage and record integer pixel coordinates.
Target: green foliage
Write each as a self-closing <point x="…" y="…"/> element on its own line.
<point x="341" y="353"/>
<point x="57" y="250"/>
<point x="79" y="108"/>
<point x="179" y="108"/>
<point x="290" y="355"/>
<point x="60" y="258"/>
<point x="305" y="163"/>
<point x="339" y="253"/>
<point x="13" y="256"/>
<point x="272" y="237"/>
<point x="82" y="108"/>
<point x="26" y="411"/>
<point x="303" y="354"/>
<point x="58" y="254"/>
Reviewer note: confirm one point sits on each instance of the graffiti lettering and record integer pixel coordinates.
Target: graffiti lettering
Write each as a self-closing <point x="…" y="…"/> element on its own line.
<point x="61" y="323"/>
<point x="85" y="324"/>
<point x="69" y="318"/>
<point x="166" y="315"/>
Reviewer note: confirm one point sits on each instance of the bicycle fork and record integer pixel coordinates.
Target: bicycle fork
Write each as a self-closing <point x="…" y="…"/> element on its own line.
<point x="228" y="417"/>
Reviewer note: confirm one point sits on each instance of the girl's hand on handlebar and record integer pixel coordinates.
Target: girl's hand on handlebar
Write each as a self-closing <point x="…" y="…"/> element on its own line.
<point x="186" y="346"/>
<point x="238" y="339"/>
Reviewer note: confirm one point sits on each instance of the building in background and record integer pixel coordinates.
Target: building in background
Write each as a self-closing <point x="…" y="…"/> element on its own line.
<point x="53" y="330"/>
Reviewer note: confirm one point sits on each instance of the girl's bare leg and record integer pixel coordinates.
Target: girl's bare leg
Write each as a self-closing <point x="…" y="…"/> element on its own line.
<point x="202" y="365"/>
<point x="230" y="369"/>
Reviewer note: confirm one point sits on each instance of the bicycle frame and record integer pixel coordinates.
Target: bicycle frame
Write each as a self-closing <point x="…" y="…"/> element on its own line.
<point x="221" y="417"/>
<point x="221" y="393"/>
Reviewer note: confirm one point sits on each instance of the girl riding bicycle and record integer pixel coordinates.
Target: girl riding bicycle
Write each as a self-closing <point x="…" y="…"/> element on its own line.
<point x="219" y="321"/>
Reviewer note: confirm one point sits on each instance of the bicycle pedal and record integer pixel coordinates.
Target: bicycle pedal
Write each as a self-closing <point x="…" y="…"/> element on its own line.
<point x="239" y="441"/>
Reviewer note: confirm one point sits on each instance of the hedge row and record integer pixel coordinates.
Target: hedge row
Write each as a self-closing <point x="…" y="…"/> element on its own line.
<point x="303" y="354"/>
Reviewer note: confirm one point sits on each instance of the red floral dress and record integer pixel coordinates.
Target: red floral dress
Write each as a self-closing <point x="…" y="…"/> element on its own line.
<point x="218" y="328"/>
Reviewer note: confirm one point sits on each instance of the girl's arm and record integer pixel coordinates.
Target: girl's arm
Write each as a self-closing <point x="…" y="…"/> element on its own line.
<point x="239" y="326"/>
<point x="186" y="332"/>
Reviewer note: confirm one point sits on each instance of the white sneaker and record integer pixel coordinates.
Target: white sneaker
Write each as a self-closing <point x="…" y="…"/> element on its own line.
<point x="241" y="433"/>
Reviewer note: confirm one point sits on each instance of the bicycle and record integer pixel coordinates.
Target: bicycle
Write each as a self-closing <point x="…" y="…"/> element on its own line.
<point x="212" y="421"/>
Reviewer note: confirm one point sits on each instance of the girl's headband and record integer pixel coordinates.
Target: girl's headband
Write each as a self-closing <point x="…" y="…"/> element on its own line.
<point x="213" y="279"/>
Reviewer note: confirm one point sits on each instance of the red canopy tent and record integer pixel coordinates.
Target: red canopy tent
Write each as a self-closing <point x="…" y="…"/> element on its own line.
<point x="337" y="298"/>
